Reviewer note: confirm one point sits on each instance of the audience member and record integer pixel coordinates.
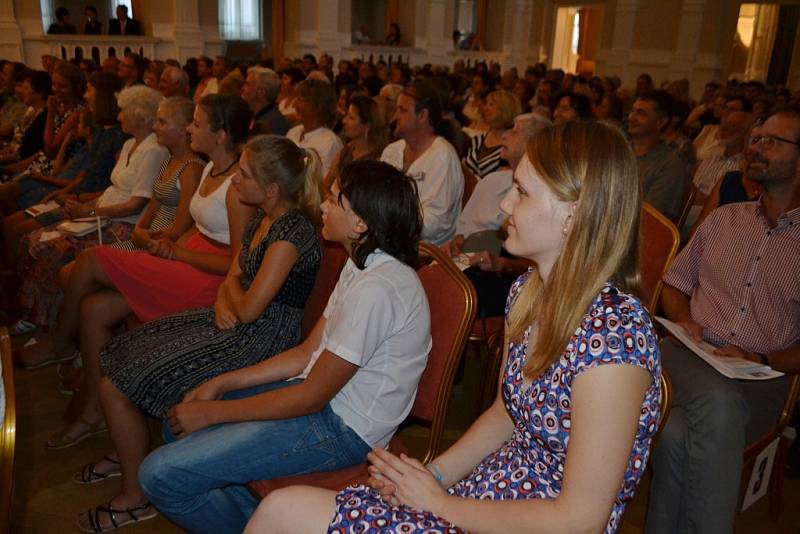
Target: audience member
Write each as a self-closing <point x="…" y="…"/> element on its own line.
<point x="289" y="79"/>
<point x="208" y="82"/>
<point x="152" y="74"/>
<point x="91" y="26"/>
<point x="110" y="64"/>
<point x="736" y="122"/>
<point x="231" y="84"/>
<point x="260" y="92"/>
<point x="393" y="36"/>
<point x="173" y="82"/>
<point x="366" y="130"/>
<point x="13" y="107"/>
<point x="429" y="158"/>
<point x="258" y="313"/>
<point x="746" y="310"/>
<point x="663" y="175"/>
<point x="574" y="212"/>
<point x="64" y="107"/>
<point x="28" y="136"/>
<point x="62" y="24"/>
<point x="674" y="136"/>
<point x="571" y="106"/>
<point x="131" y="69"/>
<point x="315" y="105"/>
<point x="123" y="24"/>
<point x="498" y="111"/>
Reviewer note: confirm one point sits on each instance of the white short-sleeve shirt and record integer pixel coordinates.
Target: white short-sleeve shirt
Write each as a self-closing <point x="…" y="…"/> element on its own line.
<point x="378" y="319"/>
<point x="323" y="140"/>
<point x="134" y="173"/>
<point x="440" y="183"/>
<point x="482" y="211"/>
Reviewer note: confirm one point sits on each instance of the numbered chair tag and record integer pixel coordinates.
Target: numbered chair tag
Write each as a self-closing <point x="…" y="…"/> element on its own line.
<point x="759" y="478"/>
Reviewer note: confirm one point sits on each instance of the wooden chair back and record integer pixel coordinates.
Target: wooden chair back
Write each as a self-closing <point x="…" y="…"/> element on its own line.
<point x="453" y="304"/>
<point x="658" y="245"/>
<point x="333" y="259"/>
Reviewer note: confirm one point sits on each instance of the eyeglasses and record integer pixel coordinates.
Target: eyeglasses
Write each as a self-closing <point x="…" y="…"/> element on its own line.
<point x="768" y="141"/>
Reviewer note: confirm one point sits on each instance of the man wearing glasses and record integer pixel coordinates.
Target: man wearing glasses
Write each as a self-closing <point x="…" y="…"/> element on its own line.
<point x="131" y="69"/>
<point x="735" y="286"/>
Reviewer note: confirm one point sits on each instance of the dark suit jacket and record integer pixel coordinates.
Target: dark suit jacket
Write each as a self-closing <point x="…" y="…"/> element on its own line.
<point x="132" y="27"/>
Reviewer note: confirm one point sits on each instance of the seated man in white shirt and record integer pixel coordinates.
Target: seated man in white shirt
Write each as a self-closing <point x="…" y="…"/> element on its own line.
<point x="430" y="159"/>
<point x="315" y="105"/>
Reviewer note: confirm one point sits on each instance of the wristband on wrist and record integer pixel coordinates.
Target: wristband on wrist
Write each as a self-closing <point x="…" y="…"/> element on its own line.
<point x="437" y="474"/>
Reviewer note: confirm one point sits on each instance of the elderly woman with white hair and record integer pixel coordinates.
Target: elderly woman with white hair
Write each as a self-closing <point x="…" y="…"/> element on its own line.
<point x="480" y="227"/>
<point x="121" y="204"/>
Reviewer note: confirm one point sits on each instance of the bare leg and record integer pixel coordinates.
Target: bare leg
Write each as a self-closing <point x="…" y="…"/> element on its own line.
<point x="100" y="312"/>
<point x="277" y="514"/>
<point x="14" y="234"/>
<point x="85" y="277"/>
<point x="130" y="435"/>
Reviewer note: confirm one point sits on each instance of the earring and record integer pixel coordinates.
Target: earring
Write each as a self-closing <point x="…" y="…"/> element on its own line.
<point x="565" y="226"/>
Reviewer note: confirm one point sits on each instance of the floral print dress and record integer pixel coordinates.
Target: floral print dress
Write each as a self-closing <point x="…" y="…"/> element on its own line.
<point x="530" y="465"/>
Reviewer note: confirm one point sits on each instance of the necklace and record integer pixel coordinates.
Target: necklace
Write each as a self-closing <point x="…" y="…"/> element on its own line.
<point x="215" y="175"/>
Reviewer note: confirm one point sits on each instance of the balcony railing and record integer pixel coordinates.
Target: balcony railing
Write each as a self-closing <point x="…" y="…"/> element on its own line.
<point x="97" y="47"/>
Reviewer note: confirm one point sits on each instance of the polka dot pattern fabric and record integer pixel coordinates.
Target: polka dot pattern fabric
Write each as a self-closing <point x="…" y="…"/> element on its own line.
<point x="530" y="465"/>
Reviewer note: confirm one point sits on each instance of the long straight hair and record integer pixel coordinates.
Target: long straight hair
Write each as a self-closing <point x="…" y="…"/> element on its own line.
<point x="591" y="164"/>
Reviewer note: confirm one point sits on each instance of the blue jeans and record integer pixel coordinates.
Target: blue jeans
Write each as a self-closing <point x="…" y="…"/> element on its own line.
<point x="198" y="481"/>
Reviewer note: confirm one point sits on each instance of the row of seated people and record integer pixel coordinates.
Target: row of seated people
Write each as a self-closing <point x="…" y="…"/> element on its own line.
<point x="412" y="121"/>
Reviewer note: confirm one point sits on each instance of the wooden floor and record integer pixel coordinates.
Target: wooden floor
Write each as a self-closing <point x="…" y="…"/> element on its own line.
<point x="45" y="500"/>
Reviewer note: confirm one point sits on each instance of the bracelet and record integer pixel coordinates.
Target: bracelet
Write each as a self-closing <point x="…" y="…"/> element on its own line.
<point x="435" y="472"/>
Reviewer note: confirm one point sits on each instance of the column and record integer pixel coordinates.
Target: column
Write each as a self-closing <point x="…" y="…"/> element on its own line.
<point x="10" y="34"/>
<point x="189" y="37"/>
<point x="617" y="59"/>
<point x="329" y="40"/>
<point x="517" y="34"/>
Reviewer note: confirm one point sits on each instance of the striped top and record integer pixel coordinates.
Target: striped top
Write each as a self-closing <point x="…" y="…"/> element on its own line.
<point x="482" y="160"/>
<point x="743" y="278"/>
<point x="711" y="170"/>
<point x="167" y="191"/>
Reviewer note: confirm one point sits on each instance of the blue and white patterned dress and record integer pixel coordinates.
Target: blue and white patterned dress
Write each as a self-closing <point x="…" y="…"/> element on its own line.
<point x="530" y="465"/>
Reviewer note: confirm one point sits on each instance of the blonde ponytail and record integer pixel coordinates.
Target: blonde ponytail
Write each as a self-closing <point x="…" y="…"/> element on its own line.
<point x="310" y="196"/>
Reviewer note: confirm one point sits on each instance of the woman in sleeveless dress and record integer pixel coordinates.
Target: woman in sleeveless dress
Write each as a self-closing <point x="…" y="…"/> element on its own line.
<point x="567" y="439"/>
<point x="107" y="284"/>
<point x="258" y="313"/>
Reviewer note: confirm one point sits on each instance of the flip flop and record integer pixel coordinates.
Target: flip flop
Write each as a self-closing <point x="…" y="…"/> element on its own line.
<point x="61" y="440"/>
<point x="52" y="359"/>
<point x="135" y="515"/>
<point x="88" y="475"/>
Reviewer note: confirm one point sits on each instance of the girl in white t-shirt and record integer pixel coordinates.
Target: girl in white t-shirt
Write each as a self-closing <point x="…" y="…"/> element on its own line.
<point x="326" y="403"/>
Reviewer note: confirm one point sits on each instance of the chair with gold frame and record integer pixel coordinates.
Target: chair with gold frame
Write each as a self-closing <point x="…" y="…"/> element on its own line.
<point x="7" y="433"/>
<point x="658" y="245"/>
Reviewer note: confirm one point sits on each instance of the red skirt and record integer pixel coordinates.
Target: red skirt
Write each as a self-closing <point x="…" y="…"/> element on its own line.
<point x="155" y="287"/>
